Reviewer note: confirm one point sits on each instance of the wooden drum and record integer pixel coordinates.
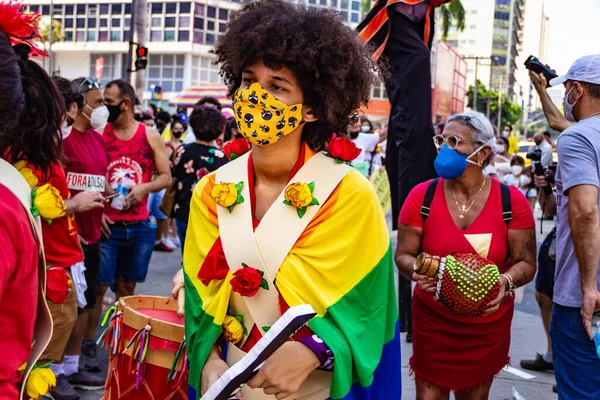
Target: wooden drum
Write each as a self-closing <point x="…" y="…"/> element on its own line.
<point x="146" y="344"/>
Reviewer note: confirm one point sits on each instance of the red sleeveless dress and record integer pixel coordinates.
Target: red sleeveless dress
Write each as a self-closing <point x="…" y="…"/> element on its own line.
<point x="134" y="157"/>
<point x="453" y="352"/>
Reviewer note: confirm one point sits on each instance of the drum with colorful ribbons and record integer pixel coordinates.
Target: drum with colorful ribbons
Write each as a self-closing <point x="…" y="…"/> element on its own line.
<point x="145" y="340"/>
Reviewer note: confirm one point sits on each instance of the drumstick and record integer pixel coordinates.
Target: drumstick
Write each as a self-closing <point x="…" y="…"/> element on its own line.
<point x="180" y="301"/>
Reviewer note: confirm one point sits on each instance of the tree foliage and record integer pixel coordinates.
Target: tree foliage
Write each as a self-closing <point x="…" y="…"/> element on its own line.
<point x="452" y="14"/>
<point x="511" y="112"/>
<point x="58" y="34"/>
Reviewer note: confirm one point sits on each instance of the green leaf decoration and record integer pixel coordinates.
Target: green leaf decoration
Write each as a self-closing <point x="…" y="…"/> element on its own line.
<point x="311" y="186"/>
<point x="314" y="202"/>
<point x="34" y="211"/>
<point x="240" y="199"/>
<point x="261" y="272"/>
<point x="48" y="266"/>
<point x="239" y="186"/>
<point x="286" y="202"/>
<point x="266" y="328"/>
<point x="48" y="220"/>
<point x="239" y="318"/>
<point x="233" y="156"/>
<point x="301" y="212"/>
<point x="327" y="154"/>
<point x="264" y="284"/>
<point x="244" y="265"/>
<point x="230" y="208"/>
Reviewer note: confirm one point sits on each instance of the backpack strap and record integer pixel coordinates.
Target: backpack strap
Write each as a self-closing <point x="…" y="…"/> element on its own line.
<point x="507" y="214"/>
<point x="428" y="199"/>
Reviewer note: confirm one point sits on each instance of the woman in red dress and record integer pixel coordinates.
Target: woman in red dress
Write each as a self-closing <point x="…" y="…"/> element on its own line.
<point x="453" y="352"/>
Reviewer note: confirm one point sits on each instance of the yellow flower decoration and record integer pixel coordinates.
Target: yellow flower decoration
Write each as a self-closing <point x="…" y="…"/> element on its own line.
<point x="27" y="173"/>
<point x="39" y="382"/>
<point x="233" y="330"/>
<point x="227" y="195"/>
<point x="48" y="203"/>
<point x="299" y="195"/>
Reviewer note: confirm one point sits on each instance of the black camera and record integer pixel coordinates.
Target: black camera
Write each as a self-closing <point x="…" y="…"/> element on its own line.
<point x="535" y="155"/>
<point x="535" y="65"/>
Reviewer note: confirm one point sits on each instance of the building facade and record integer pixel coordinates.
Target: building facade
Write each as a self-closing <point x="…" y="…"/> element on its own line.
<point x="491" y="39"/>
<point x="180" y="35"/>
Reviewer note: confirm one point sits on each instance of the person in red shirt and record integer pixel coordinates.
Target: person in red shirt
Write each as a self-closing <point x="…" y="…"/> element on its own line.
<point x="452" y="352"/>
<point x="133" y="151"/>
<point x="85" y="166"/>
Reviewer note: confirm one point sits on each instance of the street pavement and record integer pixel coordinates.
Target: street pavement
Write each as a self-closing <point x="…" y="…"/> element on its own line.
<point x="527" y="334"/>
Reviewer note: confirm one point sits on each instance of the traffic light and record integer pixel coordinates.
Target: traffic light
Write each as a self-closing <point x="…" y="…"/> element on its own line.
<point x="141" y="57"/>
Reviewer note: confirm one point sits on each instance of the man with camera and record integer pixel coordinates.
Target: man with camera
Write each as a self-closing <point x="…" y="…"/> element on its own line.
<point x="577" y="281"/>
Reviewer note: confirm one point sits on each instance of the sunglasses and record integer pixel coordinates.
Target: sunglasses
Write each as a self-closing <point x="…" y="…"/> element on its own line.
<point x="88" y="84"/>
<point x="450" y="141"/>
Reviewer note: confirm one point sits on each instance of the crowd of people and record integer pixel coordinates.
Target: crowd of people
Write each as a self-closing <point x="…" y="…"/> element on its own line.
<point x="91" y="185"/>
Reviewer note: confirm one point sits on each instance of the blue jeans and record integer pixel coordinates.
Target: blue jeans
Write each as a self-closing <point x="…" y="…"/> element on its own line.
<point x="154" y="200"/>
<point x="181" y="230"/>
<point x="125" y="256"/>
<point x="576" y="365"/>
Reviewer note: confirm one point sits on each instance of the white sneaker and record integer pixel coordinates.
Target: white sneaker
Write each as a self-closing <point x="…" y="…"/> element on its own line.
<point x="175" y="240"/>
<point x="167" y="242"/>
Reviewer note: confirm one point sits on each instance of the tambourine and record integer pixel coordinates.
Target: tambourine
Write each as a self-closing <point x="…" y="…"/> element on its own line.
<point x="466" y="283"/>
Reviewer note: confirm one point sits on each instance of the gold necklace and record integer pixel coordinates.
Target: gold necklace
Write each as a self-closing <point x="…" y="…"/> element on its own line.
<point x="463" y="209"/>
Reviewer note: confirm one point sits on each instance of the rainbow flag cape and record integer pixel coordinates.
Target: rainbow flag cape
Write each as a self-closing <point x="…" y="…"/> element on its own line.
<point x="342" y="265"/>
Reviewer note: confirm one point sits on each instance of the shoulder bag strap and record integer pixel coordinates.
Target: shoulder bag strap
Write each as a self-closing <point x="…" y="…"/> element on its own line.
<point x="426" y="207"/>
<point x="507" y="214"/>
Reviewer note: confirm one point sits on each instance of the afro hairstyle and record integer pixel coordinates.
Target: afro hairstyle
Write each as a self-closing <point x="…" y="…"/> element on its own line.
<point x="333" y="68"/>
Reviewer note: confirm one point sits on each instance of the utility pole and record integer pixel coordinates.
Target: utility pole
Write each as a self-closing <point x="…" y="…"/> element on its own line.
<point x="489" y="99"/>
<point x="476" y="86"/>
<point x="129" y="60"/>
<point x="500" y="89"/>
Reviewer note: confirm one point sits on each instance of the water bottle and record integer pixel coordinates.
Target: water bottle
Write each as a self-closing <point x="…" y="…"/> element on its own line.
<point x="123" y="190"/>
<point x="596" y="331"/>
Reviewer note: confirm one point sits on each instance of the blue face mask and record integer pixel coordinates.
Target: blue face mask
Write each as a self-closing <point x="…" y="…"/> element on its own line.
<point x="450" y="164"/>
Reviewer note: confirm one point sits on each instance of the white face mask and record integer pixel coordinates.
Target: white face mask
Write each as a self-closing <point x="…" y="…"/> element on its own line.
<point x="516" y="170"/>
<point x="99" y="116"/>
<point x="365" y="129"/>
<point x="65" y="130"/>
<point x="569" y="107"/>
<point x="501" y="148"/>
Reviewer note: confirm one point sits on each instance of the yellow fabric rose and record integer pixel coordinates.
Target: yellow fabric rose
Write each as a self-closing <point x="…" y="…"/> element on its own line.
<point x="27" y="173"/>
<point x="233" y="331"/>
<point x="39" y="382"/>
<point x="224" y="194"/>
<point x="48" y="202"/>
<point x="299" y="195"/>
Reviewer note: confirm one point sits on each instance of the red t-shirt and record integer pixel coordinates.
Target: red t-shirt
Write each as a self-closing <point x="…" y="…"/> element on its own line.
<point x="61" y="243"/>
<point x="86" y="170"/>
<point x="134" y="157"/>
<point x="18" y="290"/>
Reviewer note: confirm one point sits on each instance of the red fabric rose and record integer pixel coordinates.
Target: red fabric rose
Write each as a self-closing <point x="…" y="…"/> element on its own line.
<point x="247" y="281"/>
<point x="57" y="285"/>
<point x="236" y="148"/>
<point x="342" y="149"/>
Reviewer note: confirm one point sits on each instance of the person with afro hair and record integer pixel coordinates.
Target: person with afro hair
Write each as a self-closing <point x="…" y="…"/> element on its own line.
<point x="287" y="224"/>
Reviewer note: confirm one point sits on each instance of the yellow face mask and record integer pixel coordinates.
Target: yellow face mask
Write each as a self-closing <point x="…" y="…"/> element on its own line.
<point x="263" y="119"/>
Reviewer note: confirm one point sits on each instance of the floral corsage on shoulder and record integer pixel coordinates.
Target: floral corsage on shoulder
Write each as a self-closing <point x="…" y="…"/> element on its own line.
<point x="46" y="199"/>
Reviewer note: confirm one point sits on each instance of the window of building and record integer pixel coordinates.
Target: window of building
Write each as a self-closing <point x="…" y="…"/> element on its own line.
<point x="378" y="91"/>
<point x="165" y="70"/>
<point x="204" y="70"/>
<point x="113" y="64"/>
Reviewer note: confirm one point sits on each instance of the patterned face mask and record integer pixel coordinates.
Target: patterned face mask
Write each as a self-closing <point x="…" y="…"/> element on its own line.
<point x="263" y="119"/>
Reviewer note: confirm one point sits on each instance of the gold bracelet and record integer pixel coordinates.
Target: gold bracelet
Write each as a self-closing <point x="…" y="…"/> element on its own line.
<point x="511" y="285"/>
